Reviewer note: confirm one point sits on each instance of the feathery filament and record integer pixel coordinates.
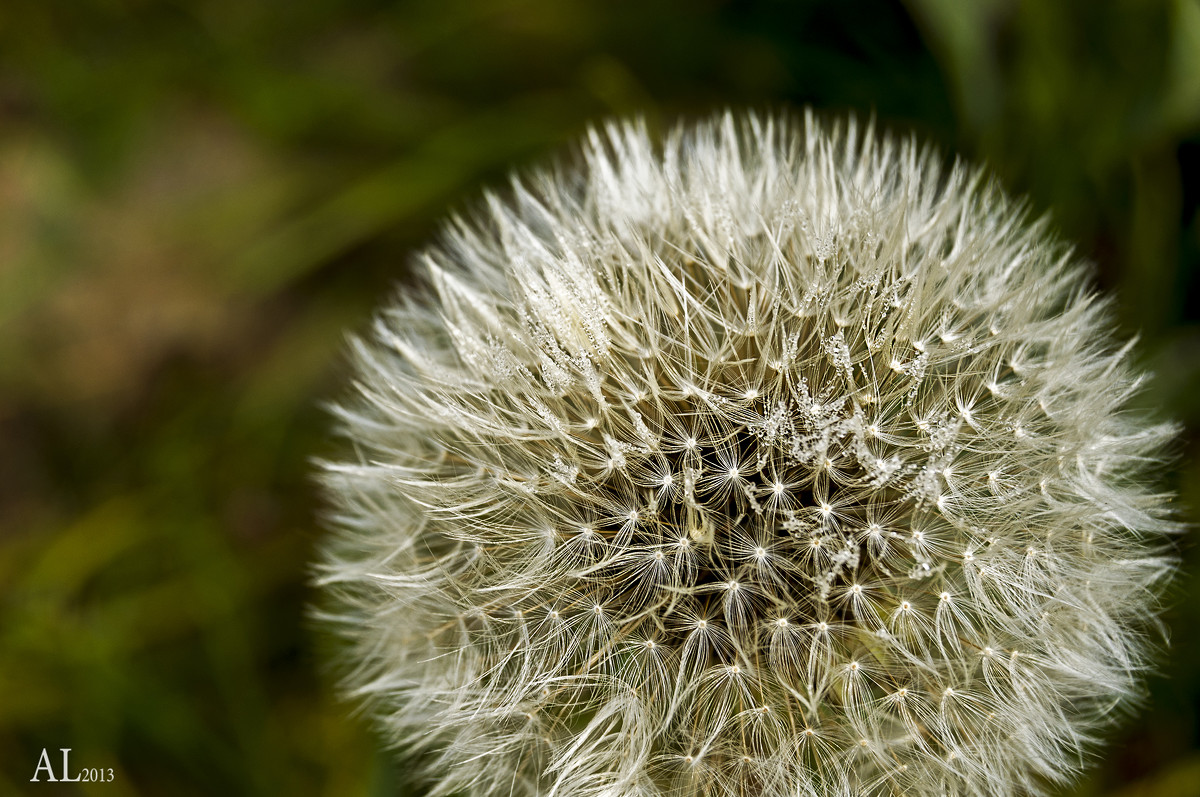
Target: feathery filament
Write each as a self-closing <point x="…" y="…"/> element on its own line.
<point x="774" y="460"/>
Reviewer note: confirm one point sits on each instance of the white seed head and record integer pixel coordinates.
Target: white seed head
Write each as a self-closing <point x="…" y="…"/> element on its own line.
<point x="722" y="466"/>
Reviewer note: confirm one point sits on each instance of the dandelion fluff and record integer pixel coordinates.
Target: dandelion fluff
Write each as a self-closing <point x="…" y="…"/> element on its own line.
<point x="775" y="458"/>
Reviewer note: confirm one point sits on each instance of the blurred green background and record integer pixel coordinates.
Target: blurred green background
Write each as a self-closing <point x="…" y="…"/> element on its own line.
<point x="198" y="198"/>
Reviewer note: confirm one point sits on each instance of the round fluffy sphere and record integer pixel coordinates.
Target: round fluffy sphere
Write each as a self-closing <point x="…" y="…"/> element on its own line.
<point x="774" y="459"/>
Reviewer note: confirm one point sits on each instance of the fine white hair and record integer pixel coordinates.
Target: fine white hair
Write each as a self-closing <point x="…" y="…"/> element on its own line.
<point x="770" y="458"/>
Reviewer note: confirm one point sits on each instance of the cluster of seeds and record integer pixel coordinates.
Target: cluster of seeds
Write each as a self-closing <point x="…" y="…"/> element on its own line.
<point x="774" y="461"/>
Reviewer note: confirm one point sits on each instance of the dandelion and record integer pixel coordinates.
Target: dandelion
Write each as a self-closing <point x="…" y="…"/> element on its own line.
<point x="774" y="459"/>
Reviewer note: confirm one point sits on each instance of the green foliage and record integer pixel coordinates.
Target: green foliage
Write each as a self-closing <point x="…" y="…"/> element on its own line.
<point x="196" y="198"/>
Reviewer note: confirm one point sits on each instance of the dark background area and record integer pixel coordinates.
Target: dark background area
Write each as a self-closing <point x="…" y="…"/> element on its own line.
<point x="197" y="199"/>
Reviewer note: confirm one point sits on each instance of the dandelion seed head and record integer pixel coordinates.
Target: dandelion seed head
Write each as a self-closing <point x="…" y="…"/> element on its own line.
<point x="723" y="465"/>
